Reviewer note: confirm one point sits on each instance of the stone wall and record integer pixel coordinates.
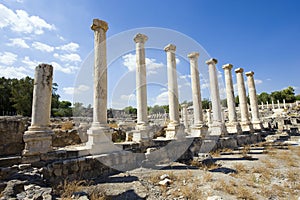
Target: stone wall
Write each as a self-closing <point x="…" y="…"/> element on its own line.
<point x="11" y="135"/>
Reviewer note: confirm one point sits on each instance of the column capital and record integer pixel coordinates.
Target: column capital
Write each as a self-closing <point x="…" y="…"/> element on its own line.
<point x="239" y="70"/>
<point x="227" y="66"/>
<point x="212" y="61"/>
<point x="140" y="38"/>
<point x="251" y="73"/>
<point x="170" y="48"/>
<point x="193" y="55"/>
<point x="97" y="23"/>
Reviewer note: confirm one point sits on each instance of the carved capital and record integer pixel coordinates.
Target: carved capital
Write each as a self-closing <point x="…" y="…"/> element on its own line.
<point x="140" y="38"/>
<point x="212" y="61"/>
<point x="251" y="73"/>
<point x="227" y="66"/>
<point x="170" y="48"/>
<point x="97" y="23"/>
<point x="193" y="55"/>
<point x="239" y="70"/>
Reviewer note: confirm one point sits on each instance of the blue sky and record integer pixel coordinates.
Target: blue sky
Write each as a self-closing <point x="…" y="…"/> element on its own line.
<point x="262" y="36"/>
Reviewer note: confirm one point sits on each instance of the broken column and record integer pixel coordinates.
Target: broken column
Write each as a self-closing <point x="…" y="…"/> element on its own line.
<point x="233" y="126"/>
<point x="278" y="104"/>
<point x="284" y="105"/>
<point x="173" y="127"/>
<point x="141" y="132"/>
<point x="273" y="105"/>
<point x="38" y="138"/>
<point x="217" y="127"/>
<point x="257" y="125"/>
<point x="199" y="128"/>
<point x="100" y="135"/>
<point x="245" y="122"/>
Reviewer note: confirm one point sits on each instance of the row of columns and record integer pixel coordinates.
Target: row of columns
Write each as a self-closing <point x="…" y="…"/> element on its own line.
<point x="38" y="137"/>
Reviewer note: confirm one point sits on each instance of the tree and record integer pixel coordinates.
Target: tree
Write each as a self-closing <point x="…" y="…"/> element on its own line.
<point x="264" y="97"/>
<point x="130" y="110"/>
<point x="21" y="95"/>
<point x="205" y="104"/>
<point x="277" y="95"/>
<point x="288" y="94"/>
<point x="157" y="109"/>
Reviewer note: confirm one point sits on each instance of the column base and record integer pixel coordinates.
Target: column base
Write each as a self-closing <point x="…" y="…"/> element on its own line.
<point x="217" y="129"/>
<point x="247" y="127"/>
<point x="175" y="131"/>
<point x="36" y="142"/>
<point x="234" y="128"/>
<point x="257" y="126"/>
<point x="100" y="141"/>
<point x="199" y="130"/>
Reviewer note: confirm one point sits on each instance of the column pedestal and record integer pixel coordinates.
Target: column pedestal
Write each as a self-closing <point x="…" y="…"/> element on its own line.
<point x="233" y="128"/>
<point x="199" y="130"/>
<point x="175" y="131"/>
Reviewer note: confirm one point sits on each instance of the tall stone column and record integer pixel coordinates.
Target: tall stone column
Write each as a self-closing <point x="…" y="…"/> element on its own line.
<point x="278" y="104"/>
<point x="99" y="135"/>
<point x="199" y="128"/>
<point x="273" y="106"/>
<point x="185" y="116"/>
<point x="267" y="105"/>
<point x="245" y="122"/>
<point x="217" y="127"/>
<point x="173" y="126"/>
<point x="257" y="125"/>
<point x="233" y="126"/>
<point x="141" y="133"/>
<point x="38" y="138"/>
<point x="284" y="105"/>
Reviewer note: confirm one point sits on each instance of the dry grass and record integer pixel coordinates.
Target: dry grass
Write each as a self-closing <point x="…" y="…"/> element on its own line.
<point x="67" y="189"/>
<point x="207" y="177"/>
<point x="67" y="125"/>
<point x="268" y="164"/>
<point x="240" y="168"/>
<point x="113" y="125"/>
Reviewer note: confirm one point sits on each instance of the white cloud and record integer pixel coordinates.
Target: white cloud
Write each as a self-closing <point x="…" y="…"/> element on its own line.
<point x="163" y="89"/>
<point x="17" y="42"/>
<point x="177" y="61"/>
<point x="185" y="76"/>
<point x="129" y="61"/>
<point x="76" y="90"/>
<point x="13" y="72"/>
<point x="31" y="64"/>
<point x="162" y="99"/>
<point x="128" y="97"/>
<point x="268" y="79"/>
<point x="257" y="81"/>
<point x="71" y="47"/>
<point x="8" y="58"/>
<point x="67" y="69"/>
<point x="19" y="21"/>
<point x="72" y="57"/>
<point x="42" y="47"/>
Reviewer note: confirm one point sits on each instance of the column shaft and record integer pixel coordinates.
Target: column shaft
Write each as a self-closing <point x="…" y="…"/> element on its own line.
<point x="141" y="82"/>
<point x="100" y="74"/>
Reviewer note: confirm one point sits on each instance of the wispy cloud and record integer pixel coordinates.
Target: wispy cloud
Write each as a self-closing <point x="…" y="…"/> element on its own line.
<point x="42" y="47"/>
<point x="17" y="42"/>
<point x="8" y="58"/>
<point x="72" y="57"/>
<point x="67" y="69"/>
<point x="162" y="99"/>
<point x="129" y="61"/>
<point x="20" y="21"/>
<point x="76" y="90"/>
<point x="71" y="47"/>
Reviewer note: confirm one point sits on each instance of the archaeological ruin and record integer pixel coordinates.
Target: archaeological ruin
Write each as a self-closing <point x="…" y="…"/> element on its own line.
<point x="187" y="134"/>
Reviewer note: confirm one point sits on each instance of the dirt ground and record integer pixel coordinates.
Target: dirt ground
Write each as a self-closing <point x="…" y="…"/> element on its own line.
<point x="263" y="171"/>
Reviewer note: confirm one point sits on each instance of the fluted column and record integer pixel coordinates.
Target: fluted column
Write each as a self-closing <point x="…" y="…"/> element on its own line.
<point x="99" y="135"/>
<point x="232" y="126"/>
<point x="199" y="128"/>
<point x="217" y="127"/>
<point x="172" y="128"/>
<point x="245" y="122"/>
<point x="38" y="138"/>
<point x="141" y="82"/>
<point x="257" y="125"/>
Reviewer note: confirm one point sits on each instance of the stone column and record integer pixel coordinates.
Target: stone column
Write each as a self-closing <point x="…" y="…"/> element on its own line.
<point x="257" y="125"/>
<point x="199" y="128"/>
<point x="185" y="116"/>
<point x="208" y="117"/>
<point x="245" y="122"/>
<point x="99" y="135"/>
<point x="217" y="127"/>
<point x="233" y="126"/>
<point x="273" y="106"/>
<point x="141" y="133"/>
<point x="173" y="126"/>
<point x="284" y="105"/>
<point x="38" y="138"/>
<point x="278" y="104"/>
<point x="262" y="105"/>
<point x="267" y="105"/>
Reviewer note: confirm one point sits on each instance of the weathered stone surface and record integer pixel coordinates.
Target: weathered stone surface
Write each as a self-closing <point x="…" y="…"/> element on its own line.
<point x="62" y="138"/>
<point x="11" y="135"/>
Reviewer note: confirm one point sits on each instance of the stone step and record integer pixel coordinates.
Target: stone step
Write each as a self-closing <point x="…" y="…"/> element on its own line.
<point x="10" y="161"/>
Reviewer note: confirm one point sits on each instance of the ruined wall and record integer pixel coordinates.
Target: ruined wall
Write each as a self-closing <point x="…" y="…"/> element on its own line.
<point x="11" y="135"/>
